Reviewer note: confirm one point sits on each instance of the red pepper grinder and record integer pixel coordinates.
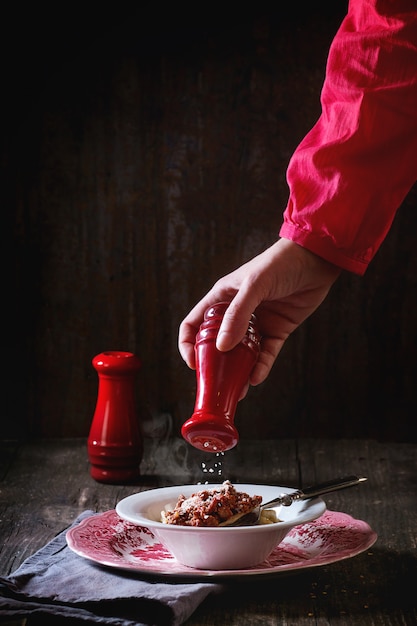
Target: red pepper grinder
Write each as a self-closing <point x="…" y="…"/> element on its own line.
<point x="114" y="444"/>
<point x="221" y="376"/>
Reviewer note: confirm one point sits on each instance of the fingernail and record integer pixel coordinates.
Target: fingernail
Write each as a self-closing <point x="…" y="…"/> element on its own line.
<point x="221" y="341"/>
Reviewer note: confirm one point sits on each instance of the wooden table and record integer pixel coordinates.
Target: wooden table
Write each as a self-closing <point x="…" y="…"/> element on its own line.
<point x="45" y="484"/>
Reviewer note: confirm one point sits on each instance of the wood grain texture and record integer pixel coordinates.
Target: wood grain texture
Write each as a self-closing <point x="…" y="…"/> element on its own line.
<point x="144" y="158"/>
<point x="48" y="484"/>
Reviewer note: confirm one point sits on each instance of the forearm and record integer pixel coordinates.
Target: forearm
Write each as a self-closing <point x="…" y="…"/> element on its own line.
<point x="352" y="171"/>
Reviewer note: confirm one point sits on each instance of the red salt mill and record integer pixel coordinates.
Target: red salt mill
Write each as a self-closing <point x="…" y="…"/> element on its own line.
<point x="115" y="445"/>
<point x="221" y="377"/>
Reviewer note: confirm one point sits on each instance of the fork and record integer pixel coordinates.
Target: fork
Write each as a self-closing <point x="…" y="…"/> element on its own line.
<point x="286" y="499"/>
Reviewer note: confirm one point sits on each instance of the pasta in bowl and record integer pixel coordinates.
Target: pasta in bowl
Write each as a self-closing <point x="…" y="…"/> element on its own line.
<point x="216" y="546"/>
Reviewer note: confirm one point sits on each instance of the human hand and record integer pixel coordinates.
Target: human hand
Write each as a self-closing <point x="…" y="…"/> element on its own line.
<point x="283" y="286"/>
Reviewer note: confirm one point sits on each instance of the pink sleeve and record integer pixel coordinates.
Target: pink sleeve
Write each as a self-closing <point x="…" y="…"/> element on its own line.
<point x="352" y="171"/>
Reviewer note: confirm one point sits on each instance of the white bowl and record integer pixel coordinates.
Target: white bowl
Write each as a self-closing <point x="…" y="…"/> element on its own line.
<point x="218" y="548"/>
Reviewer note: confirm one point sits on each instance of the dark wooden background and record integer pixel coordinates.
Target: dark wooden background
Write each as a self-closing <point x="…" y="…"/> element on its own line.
<point x="143" y="156"/>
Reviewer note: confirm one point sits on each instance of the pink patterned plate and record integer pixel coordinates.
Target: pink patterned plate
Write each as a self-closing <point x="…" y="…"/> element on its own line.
<point x="107" y="539"/>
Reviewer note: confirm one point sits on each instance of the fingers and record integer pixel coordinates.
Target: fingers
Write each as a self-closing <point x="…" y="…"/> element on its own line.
<point x="233" y="328"/>
<point x="236" y="320"/>
<point x="186" y="340"/>
<point x="186" y="349"/>
<point x="244" y="391"/>
<point x="270" y="348"/>
<point x="189" y="328"/>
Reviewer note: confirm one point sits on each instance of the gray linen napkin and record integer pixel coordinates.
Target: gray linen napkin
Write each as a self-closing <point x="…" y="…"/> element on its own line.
<point x="56" y="581"/>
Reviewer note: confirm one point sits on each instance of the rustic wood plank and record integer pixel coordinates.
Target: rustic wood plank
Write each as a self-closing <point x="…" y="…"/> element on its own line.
<point x="139" y="167"/>
<point x="48" y="484"/>
<point x="8" y="450"/>
<point x="371" y="588"/>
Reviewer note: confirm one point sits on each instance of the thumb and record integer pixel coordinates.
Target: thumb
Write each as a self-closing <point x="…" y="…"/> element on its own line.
<point x="235" y="322"/>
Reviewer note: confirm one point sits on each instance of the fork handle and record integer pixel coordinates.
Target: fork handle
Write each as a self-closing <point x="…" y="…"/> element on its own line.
<point x="330" y="485"/>
<point x="286" y="499"/>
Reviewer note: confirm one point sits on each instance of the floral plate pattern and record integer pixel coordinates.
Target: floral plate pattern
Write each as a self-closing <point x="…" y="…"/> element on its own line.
<point x="108" y="540"/>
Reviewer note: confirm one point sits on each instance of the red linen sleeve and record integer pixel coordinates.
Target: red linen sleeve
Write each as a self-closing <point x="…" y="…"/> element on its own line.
<point x="352" y="171"/>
